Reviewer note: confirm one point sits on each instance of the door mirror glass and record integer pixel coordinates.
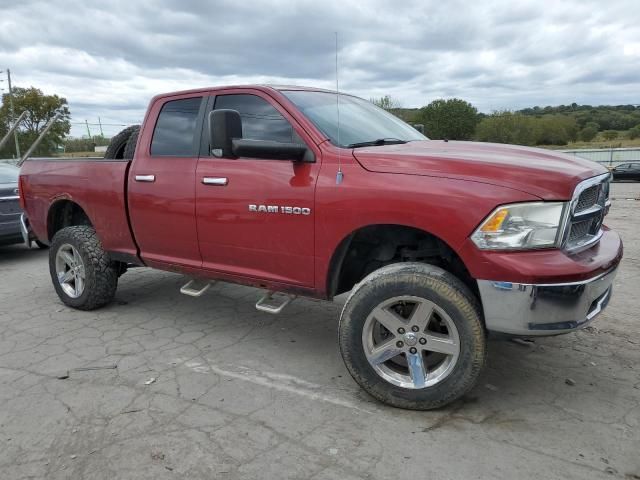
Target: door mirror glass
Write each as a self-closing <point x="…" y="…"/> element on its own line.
<point x="224" y="126"/>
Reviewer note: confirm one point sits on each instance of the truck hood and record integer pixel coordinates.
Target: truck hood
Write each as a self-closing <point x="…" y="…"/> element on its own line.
<point x="546" y="174"/>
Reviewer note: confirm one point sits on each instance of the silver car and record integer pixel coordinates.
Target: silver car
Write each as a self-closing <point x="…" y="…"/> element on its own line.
<point x="10" y="210"/>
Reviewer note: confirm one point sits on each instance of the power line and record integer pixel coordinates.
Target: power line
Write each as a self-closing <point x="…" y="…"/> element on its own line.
<point x="98" y="124"/>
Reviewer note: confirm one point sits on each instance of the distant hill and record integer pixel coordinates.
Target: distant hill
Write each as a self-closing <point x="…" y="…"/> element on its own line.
<point x="608" y="117"/>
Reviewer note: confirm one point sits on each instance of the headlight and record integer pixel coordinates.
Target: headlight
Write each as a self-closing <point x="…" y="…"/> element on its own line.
<point x="521" y="226"/>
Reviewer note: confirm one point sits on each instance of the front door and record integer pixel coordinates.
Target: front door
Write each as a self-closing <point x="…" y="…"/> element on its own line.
<point x="255" y="217"/>
<point x="161" y="192"/>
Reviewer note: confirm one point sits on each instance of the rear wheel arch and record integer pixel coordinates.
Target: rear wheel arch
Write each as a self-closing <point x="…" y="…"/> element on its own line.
<point x="65" y="213"/>
<point x="373" y="246"/>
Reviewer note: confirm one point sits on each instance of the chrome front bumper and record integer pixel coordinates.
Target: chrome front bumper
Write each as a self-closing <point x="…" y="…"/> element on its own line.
<point x="549" y="309"/>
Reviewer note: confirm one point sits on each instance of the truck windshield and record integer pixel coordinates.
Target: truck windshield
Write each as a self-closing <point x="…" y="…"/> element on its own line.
<point x="361" y="122"/>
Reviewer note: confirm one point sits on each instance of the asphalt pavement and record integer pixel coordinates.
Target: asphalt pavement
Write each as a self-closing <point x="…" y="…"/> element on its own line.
<point x="160" y="385"/>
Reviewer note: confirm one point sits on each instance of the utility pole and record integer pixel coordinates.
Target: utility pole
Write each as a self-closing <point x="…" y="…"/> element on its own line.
<point x="12" y="114"/>
<point x="86" y="122"/>
<point x="100" y="123"/>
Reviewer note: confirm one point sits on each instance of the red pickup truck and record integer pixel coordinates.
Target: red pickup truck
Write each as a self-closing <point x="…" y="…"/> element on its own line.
<point x="302" y="191"/>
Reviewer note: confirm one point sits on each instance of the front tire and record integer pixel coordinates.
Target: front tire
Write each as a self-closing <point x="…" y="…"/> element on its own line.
<point x="83" y="275"/>
<point x="411" y="335"/>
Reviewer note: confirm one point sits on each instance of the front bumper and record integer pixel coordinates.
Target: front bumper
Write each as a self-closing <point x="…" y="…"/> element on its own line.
<point x="544" y="309"/>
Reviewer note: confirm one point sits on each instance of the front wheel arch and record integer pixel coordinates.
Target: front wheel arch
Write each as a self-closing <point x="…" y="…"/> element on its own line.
<point x="386" y="244"/>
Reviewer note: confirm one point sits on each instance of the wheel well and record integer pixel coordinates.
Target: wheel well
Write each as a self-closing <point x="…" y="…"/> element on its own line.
<point x="65" y="213"/>
<point x="375" y="246"/>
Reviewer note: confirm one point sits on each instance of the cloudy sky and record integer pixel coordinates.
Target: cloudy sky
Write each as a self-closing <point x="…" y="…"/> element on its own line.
<point x="109" y="57"/>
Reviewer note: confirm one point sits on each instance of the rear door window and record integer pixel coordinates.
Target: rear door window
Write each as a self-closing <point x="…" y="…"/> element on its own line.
<point x="176" y="128"/>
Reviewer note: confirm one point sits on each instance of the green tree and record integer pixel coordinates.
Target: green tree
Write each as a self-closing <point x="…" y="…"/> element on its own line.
<point x="40" y="109"/>
<point x="507" y="127"/>
<point x="555" y="130"/>
<point x="453" y="119"/>
<point x="634" y="132"/>
<point x="609" y="134"/>
<point x="588" y="133"/>
<point x="387" y="102"/>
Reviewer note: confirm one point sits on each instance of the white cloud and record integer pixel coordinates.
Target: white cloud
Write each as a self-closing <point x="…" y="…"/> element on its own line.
<point x="109" y="58"/>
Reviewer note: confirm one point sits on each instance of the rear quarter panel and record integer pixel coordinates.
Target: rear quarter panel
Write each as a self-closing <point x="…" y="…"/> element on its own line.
<point x="97" y="186"/>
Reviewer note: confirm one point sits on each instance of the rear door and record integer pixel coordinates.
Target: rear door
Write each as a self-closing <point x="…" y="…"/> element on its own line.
<point x="161" y="192"/>
<point x="255" y="216"/>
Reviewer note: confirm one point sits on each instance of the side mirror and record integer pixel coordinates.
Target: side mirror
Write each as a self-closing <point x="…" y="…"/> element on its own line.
<point x="269" y="150"/>
<point x="224" y="126"/>
<point x="225" y="139"/>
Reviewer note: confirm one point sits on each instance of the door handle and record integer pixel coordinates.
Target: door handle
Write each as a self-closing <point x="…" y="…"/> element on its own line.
<point x="219" y="181"/>
<point x="145" y="178"/>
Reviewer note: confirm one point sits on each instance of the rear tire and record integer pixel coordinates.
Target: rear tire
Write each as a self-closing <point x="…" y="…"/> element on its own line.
<point x="83" y="275"/>
<point x="116" y="147"/>
<point x="431" y="348"/>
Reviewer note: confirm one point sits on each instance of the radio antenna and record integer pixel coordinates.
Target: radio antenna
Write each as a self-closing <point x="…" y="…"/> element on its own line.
<point x="339" y="175"/>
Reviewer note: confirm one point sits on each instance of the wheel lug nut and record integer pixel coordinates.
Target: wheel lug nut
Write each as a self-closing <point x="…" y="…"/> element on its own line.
<point x="423" y="341"/>
<point x="415" y="328"/>
<point x="413" y="350"/>
<point x="399" y="344"/>
<point x="401" y="330"/>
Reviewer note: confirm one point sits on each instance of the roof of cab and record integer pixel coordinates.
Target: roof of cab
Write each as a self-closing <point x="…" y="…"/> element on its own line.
<point x="263" y="87"/>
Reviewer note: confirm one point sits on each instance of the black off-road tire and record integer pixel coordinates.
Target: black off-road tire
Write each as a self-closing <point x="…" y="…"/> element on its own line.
<point x="130" y="146"/>
<point x="447" y="292"/>
<point x="101" y="274"/>
<point x="116" y="147"/>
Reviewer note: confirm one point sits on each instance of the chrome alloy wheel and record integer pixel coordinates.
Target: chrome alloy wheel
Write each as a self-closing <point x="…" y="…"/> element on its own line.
<point x="70" y="270"/>
<point x="411" y="342"/>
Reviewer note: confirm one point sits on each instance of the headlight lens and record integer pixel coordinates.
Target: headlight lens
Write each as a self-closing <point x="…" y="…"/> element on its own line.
<point x="521" y="226"/>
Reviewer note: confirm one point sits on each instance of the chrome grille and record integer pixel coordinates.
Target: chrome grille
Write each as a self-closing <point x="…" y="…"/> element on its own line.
<point x="580" y="229"/>
<point x="587" y="210"/>
<point x="588" y="198"/>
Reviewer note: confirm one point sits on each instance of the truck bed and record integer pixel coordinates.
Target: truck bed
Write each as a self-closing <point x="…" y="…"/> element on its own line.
<point x="97" y="185"/>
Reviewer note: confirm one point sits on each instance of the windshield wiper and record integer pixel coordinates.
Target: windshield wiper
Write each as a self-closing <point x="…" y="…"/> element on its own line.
<point x="379" y="141"/>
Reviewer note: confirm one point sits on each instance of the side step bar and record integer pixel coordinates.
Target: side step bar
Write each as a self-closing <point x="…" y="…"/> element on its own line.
<point x="195" y="288"/>
<point x="271" y="302"/>
<point x="274" y="302"/>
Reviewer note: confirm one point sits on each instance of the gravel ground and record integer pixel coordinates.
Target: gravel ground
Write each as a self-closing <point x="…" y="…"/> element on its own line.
<point x="159" y="385"/>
